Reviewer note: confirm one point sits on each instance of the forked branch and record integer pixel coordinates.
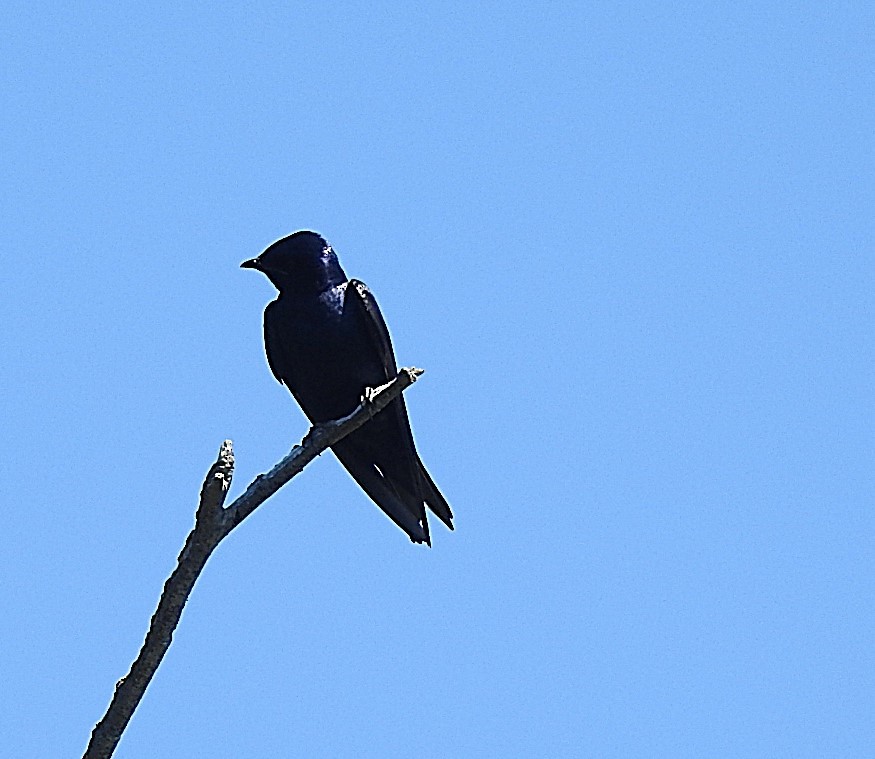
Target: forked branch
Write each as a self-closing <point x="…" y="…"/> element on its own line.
<point x="213" y="522"/>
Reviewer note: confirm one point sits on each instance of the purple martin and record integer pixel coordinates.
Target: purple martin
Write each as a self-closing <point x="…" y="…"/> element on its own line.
<point x="326" y="340"/>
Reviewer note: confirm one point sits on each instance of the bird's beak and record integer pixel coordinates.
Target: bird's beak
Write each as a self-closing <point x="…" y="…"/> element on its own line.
<point x="252" y="263"/>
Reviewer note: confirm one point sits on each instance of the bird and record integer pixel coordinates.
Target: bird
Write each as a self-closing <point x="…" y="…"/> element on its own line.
<point x="327" y="342"/>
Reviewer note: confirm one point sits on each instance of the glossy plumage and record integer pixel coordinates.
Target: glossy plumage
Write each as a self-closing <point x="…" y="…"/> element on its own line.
<point x="326" y="340"/>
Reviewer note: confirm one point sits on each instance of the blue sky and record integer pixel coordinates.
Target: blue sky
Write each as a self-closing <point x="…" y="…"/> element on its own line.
<point x="632" y="246"/>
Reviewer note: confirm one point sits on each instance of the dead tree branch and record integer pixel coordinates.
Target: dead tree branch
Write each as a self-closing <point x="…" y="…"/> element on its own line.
<point x="213" y="522"/>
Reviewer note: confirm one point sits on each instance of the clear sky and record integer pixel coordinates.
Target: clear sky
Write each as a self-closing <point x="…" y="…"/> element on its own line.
<point x="631" y="244"/>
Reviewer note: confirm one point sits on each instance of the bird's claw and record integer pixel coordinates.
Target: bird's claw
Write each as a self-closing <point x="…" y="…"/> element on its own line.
<point x="368" y="397"/>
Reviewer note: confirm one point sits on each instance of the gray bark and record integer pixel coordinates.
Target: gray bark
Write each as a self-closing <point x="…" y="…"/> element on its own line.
<point x="213" y="522"/>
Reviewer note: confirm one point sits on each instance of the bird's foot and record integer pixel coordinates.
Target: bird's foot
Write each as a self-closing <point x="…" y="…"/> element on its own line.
<point x="368" y="399"/>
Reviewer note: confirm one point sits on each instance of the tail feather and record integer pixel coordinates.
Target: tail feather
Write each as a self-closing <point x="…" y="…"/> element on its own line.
<point x="406" y="511"/>
<point x="434" y="498"/>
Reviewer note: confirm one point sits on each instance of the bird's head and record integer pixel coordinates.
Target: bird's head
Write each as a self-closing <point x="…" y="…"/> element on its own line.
<point x="301" y="263"/>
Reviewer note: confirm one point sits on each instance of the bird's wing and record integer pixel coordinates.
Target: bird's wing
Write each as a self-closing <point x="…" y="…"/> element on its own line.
<point x="360" y="298"/>
<point x="407" y="475"/>
<point x="273" y="344"/>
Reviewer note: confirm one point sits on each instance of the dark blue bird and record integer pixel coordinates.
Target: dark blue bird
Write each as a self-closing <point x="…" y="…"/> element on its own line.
<point x="326" y="340"/>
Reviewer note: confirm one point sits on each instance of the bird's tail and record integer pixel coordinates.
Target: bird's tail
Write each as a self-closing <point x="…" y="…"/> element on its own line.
<point x="433" y="497"/>
<point x="406" y="510"/>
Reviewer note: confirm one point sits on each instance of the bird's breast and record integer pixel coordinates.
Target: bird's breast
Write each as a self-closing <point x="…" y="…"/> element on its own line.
<point x="329" y="357"/>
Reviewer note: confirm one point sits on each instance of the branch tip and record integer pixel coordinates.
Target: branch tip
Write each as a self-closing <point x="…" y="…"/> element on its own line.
<point x="226" y="455"/>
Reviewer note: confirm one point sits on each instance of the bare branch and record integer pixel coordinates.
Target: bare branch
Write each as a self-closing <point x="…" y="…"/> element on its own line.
<point x="213" y="522"/>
